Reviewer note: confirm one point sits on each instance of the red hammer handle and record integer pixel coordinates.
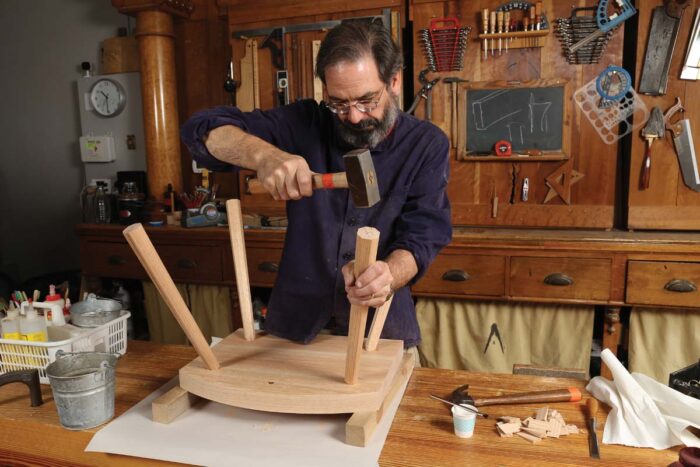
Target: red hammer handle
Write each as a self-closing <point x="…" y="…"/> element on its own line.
<point x="556" y="395"/>
<point x="319" y="181"/>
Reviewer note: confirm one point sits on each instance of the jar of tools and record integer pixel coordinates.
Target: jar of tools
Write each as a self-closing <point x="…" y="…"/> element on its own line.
<point x="130" y="204"/>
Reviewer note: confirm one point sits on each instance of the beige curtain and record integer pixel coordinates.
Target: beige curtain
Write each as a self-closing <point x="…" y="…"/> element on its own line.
<point x="464" y="335"/>
<point x="210" y="307"/>
<point x="662" y="341"/>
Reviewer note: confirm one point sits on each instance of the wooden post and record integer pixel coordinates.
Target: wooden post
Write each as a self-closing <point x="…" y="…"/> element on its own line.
<point x="240" y="266"/>
<point x="151" y="262"/>
<point x="365" y="256"/>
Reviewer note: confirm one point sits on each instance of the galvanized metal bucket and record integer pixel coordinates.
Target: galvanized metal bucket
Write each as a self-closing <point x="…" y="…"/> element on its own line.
<point x="83" y="388"/>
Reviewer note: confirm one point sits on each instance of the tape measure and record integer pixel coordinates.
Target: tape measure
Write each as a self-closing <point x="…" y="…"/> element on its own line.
<point x="613" y="83"/>
<point x="503" y="148"/>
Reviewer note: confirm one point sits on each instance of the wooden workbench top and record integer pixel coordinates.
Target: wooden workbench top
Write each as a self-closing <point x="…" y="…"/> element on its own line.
<point x="421" y="434"/>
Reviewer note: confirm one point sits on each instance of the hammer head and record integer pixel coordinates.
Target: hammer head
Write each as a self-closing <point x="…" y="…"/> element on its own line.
<point x="362" y="179"/>
<point x="461" y="395"/>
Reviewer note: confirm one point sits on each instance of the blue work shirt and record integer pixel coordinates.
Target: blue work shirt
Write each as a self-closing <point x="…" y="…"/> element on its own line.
<point x="412" y="167"/>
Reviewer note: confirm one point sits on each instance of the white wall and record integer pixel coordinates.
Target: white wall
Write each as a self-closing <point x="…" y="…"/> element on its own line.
<point x="42" y="43"/>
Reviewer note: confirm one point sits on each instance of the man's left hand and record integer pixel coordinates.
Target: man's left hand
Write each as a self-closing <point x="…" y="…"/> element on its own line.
<point x="372" y="288"/>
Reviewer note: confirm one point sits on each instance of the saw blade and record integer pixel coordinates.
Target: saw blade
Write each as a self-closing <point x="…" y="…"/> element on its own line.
<point x="662" y="41"/>
<point x="685" y="150"/>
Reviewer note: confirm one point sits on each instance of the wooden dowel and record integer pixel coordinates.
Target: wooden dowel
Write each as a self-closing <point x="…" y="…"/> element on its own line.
<point x="151" y="262"/>
<point x="240" y="266"/>
<point x="365" y="256"/>
<point x="375" y="329"/>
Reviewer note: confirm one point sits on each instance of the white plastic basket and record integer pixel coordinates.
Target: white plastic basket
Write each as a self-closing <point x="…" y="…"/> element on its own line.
<point x="23" y="355"/>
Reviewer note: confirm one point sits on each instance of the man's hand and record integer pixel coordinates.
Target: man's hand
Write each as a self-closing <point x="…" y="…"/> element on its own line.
<point x="285" y="176"/>
<point x="372" y="288"/>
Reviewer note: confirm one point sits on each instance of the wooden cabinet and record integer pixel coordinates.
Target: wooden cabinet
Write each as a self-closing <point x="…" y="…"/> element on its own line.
<point x="263" y="265"/>
<point x="663" y="283"/>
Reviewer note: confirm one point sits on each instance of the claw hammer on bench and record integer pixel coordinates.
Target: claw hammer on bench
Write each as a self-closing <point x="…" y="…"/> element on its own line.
<point x="359" y="177"/>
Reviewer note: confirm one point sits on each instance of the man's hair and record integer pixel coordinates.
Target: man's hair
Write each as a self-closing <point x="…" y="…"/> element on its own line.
<point x="351" y="40"/>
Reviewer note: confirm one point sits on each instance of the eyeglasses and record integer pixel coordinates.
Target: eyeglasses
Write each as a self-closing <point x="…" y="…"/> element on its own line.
<point x="364" y="106"/>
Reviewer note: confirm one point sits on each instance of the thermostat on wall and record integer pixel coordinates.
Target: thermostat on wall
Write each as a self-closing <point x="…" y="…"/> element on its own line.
<point x="97" y="148"/>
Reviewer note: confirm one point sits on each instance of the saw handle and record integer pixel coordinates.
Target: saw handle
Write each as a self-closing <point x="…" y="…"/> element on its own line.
<point x="556" y="395"/>
<point x="319" y="181"/>
<point x="646" y="166"/>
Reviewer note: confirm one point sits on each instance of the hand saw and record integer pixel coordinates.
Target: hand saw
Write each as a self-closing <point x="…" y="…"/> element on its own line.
<point x="685" y="148"/>
<point x="662" y="41"/>
<point x="691" y="67"/>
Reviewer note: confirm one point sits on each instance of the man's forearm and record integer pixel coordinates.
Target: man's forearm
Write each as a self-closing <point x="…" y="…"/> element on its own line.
<point x="231" y="144"/>
<point x="403" y="267"/>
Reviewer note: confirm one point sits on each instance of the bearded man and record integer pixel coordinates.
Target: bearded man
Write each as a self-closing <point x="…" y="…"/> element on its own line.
<point x="360" y="66"/>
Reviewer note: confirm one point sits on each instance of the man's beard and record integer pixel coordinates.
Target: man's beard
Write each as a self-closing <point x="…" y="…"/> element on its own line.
<point x="368" y="132"/>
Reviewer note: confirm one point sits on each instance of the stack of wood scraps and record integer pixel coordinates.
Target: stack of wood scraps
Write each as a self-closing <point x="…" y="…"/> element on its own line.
<point x="546" y="424"/>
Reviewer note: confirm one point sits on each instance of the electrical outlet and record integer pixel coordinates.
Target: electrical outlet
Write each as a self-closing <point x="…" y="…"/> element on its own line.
<point x="105" y="182"/>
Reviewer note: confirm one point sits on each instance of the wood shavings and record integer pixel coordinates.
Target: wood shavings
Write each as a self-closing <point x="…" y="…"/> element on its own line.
<point x="546" y="424"/>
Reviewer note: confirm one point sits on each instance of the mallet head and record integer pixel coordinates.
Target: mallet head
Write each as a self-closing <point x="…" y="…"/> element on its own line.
<point x="362" y="178"/>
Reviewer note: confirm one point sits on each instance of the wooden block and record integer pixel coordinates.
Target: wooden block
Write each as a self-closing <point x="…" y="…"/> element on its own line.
<point x="508" y="428"/>
<point x="120" y="55"/>
<point x="542" y="414"/>
<point x="170" y="405"/>
<point x="529" y="437"/>
<point x="554" y="431"/>
<point x="360" y="428"/>
<point x="509" y="419"/>
<point x="537" y="424"/>
<point x="502" y="434"/>
<point x="535" y="432"/>
<point x="572" y="429"/>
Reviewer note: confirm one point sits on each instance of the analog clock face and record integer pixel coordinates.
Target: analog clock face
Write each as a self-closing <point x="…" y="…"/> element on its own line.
<point x="107" y="97"/>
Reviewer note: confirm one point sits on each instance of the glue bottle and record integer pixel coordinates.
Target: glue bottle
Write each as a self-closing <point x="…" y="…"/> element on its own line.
<point x="57" y="299"/>
<point x="32" y="327"/>
<point x="10" y="325"/>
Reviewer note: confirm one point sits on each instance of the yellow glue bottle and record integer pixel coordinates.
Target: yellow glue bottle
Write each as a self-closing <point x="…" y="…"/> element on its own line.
<point x="33" y="327"/>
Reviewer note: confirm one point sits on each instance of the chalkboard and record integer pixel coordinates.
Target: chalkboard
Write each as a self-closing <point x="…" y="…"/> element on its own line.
<point x="530" y="117"/>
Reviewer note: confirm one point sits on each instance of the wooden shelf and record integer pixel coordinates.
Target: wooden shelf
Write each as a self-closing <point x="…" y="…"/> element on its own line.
<point x="513" y="158"/>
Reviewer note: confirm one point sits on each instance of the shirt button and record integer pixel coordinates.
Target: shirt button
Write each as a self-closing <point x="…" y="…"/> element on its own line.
<point x="347" y="256"/>
<point x="352" y="222"/>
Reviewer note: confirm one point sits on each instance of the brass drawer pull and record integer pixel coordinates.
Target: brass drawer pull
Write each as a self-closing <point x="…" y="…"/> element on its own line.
<point x="455" y="275"/>
<point x="681" y="285"/>
<point x="185" y="263"/>
<point x="116" y="260"/>
<point x="558" y="279"/>
<point x="268" y="266"/>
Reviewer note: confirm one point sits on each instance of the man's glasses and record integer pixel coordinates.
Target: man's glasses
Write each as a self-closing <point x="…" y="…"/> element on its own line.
<point x="364" y="106"/>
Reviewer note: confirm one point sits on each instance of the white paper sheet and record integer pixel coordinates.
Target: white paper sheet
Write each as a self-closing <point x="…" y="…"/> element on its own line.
<point x="214" y="434"/>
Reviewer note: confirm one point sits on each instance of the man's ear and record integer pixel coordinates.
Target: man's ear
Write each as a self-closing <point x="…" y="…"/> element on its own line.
<point x="395" y="83"/>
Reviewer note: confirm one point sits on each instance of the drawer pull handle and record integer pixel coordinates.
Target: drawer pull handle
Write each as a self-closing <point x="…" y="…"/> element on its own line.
<point x="681" y="285"/>
<point x="186" y="263"/>
<point x="558" y="279"/>
<point x="268" y="266"/>
<point x="455" y="275"/>
<point x="116" y="260"/>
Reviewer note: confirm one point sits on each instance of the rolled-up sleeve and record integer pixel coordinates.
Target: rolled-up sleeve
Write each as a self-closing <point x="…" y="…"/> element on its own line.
<point x="425" y="226"/>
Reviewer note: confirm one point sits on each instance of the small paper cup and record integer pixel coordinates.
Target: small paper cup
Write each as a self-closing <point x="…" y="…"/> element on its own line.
<point x="464" y="421"/>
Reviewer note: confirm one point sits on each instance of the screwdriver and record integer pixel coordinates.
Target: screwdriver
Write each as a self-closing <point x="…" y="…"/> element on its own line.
<point x="485" y="23"/>
<point x="506" y="26"/>
<point x="499" y="15"/>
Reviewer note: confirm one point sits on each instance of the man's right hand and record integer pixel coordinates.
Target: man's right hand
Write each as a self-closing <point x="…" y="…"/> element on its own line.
<point x="285" y="176"/>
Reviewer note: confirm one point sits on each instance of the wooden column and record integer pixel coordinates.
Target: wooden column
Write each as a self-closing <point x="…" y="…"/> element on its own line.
<point x="156" y="38"/>
<point x="154" y="31"/>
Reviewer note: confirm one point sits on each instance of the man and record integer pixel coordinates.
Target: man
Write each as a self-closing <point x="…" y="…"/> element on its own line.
<point x="360" y="66"/>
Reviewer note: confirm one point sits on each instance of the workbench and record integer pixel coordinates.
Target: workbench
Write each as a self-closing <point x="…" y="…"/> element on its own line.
<point x="421" y="434"/>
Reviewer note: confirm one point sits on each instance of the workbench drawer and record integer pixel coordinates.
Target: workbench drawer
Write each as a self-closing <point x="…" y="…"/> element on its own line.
<point x="567" y="278"/>
<point x="110" y="260"/>
<point x="193" y="263"/>
<point x="263" y="264"/>
<point x="663" y="283"/>
<point x="464" y="275"/>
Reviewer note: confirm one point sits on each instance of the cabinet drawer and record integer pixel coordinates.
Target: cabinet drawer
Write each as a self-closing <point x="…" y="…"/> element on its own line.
<point x="464" y="275"/>
<point x="663" y="283"/>
<point x="110" y="260"/>
<point x="569" y="278"/>
<point x="263" y="264"/>
<point x="192" y="263"/>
